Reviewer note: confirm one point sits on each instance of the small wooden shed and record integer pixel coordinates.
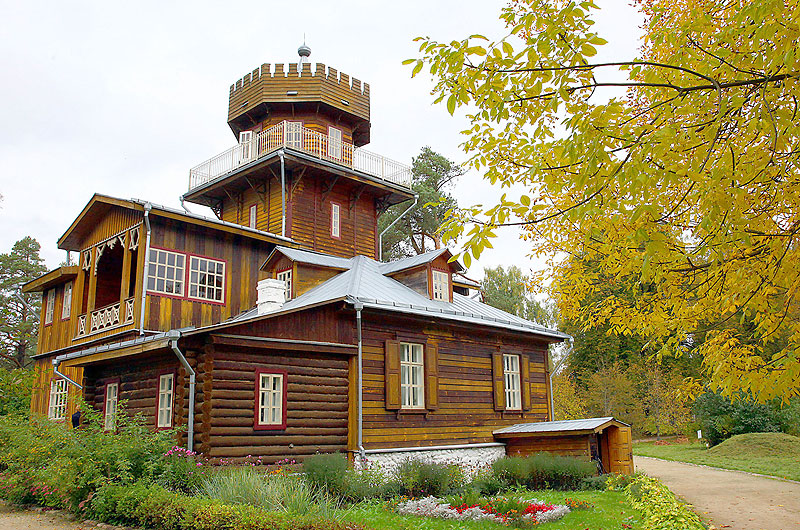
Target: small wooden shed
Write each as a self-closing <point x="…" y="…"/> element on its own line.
<point x="604" y="439"/>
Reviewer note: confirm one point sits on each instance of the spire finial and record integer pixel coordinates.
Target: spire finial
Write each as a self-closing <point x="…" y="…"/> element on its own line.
<point x="304" y="51"/>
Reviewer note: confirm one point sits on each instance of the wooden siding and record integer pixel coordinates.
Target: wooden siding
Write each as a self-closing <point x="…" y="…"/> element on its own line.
<point x="465" y="412"/>
<point x="310" y="218"/>
<point x="576" y="445"/>
<point x="266" y="196"/>
<point x="316" y="404"/>
<point x="40" y="397"/>
<point x="59" y="333"/>
<point x="242" y="257"/>
<point x="416" y="279"/>
<point x="138" y="385"/>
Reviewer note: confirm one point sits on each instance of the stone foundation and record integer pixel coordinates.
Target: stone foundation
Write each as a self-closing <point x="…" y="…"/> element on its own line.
<point x="470" y="458"/>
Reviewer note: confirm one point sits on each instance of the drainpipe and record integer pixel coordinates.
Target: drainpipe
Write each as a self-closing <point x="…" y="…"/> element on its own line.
<point x="190" y="421"/>
<point x="362" y="455"/>
<point x="146" y="261"/>
<point x="555" y="369"/>
<point x="283" y="193"/>
<point x="380" y="236"/>
<point x="185" y="209"/>
<point x="56" y="364"/>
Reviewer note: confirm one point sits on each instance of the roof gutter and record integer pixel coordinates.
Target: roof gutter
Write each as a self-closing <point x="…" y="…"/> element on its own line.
<point x="145" y="261"/>
<point x="555" y="369"/>
<point x="380" y="236"/>
<point x="174" y="335"/>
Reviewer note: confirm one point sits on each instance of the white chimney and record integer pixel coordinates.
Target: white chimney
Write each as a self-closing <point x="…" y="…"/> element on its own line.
<point x="271" y="295"/>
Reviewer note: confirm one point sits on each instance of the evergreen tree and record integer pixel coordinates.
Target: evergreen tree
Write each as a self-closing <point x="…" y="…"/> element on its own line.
<point x="417" y="232"/>
<point x="19" y="313"/>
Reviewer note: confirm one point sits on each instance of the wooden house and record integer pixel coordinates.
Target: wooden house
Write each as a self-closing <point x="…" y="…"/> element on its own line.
<point x="271" y="329"/>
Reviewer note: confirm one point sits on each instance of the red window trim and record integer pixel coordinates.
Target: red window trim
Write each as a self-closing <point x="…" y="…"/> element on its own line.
<point x="256" y="400"/>
<point x="187" y="268"/>
<point x="291" y="289"/>
<point x="63" y="293"/>
<point x="174" y="373"/>
<point x="339" y="237"/>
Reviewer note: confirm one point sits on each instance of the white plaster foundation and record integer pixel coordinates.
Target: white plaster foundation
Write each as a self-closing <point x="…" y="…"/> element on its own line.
<point x="469" y="457"/>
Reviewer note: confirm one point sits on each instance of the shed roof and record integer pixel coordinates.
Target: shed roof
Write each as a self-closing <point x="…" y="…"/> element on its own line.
<point x="567" y="426"/>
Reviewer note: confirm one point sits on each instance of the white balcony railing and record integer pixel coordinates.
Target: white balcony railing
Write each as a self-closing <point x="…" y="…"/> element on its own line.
<point x="294" y="136"/>
<point x="108" y="317"/>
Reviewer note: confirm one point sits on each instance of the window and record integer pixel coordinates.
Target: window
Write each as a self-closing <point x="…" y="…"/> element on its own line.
<point x="166" y="272"/>
<point x="294" y="134"/>
<point x="286" y="277"/>
<point x="165" y="394"/>
<point x="441" y="283"/>
<point x="110" y="414"/>
<point x="511" y="378"/>
<point x="412" y="373"/>
<point x="335" y="217"/>
<point x="253" y="216"/>
<point x="66" y="303"/>
<point x="50" y="305"/>
<point x="245" y="146"/>
<point x="334" y="142"/>
<point x="206" y="279"/>
<point x="270" y="396"/>
<point x="57" y="408"/>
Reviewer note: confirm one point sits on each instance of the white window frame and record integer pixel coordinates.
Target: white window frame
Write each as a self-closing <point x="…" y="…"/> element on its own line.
<point x="205" y="279"/>
<point x="336" y="220"/>
<point x="66" y="302"/>
<point x="512" y="381"/>
<point x="334" y="143"/>
<point x="294" y="134"/>
<point x="253" y="221"/>
<point x="154" y="268"/>
<point x="245" y="146"/>
<point x="166" y="395"/>
<point x="57" y="406"/>
<point x="270" y="399"/>
<point x="441" y="282"/>
<point x="286" y="277"/>
<point x="50" y="306"/>
<point x="412" y="376"/>
<point x="111" y="400"/>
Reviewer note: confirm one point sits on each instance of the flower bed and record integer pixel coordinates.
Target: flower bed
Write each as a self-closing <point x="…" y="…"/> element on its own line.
<point x="499" y="509"/>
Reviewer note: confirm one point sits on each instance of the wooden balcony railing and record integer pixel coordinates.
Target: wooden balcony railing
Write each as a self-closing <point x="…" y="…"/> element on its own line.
<point x="294" y="136"/>
<point x="105" y="318"/>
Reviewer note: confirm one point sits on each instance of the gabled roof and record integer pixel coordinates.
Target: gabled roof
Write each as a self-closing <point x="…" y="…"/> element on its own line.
<point x="366" y="283"/>
<point x="585" y="425"/>
<point x="416" y="261"/>
<point x="310" y="258"/>
<point x="99" y="205"/>
<point x="49" y="279"/>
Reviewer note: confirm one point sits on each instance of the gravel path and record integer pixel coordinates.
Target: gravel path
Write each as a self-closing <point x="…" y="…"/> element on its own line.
<point x="730" y="499"/>
<point x="37" y="519"/>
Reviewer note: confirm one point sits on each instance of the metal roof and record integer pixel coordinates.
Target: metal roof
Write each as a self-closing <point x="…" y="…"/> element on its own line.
<point x="415" y="261"/>
<point x="365" y="282"/>
<point x="586" y="424"/>
<point x="311" y="258"/>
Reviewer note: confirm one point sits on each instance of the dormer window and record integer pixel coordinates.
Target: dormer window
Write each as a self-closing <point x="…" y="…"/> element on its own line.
<point x="441" y="283"/>
<point x="286" y="277"/>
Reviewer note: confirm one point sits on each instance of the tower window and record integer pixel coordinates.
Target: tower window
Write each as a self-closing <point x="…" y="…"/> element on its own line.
<point x="253" y="215"/>
<point x="334" y="142"/>
<point x="335" y="220"/>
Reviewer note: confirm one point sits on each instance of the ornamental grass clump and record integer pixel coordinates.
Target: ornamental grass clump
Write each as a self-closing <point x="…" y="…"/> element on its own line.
<point x="543" y="471"/>
<point x="417" y="478"/>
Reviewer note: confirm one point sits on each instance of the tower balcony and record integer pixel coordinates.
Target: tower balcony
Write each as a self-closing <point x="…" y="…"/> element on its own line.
<point x="294" y="137"/>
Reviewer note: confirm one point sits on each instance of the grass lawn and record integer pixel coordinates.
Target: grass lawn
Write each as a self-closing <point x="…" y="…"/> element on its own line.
<point x="775" y="454"/>
<point x="612" y="510"/>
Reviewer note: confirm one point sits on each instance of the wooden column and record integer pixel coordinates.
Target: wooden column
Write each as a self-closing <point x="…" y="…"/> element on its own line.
<point x="126" y="272"/>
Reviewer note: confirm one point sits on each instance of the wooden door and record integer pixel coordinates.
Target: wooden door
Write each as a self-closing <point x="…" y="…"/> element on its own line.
<point x="620" y="450"/>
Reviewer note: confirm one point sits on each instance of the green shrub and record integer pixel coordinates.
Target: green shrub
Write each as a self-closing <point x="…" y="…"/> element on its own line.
<point x="16" y="386"/>
<point x="594" y="483"/>
<point x="326" y="471"/>
<point x="721" y="417"/>
<point x="543" y="471"/>
<point x="421" y="479"/>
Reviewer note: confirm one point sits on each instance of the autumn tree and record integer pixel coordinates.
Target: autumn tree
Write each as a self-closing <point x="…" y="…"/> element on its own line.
<point x="418" y="231"/>
<point x="686" y="184"/>
<point x="19" y="313"/>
